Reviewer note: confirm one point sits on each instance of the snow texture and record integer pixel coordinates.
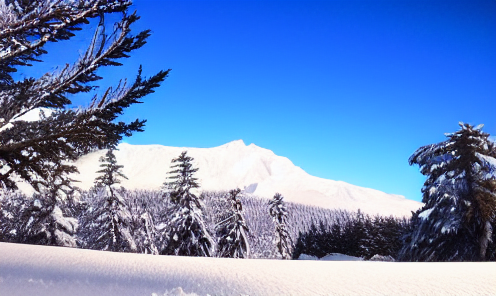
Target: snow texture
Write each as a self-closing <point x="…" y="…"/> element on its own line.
<point x="43" y="270"/>
<point x="425" y="214"/>
<point x="236" y="165"/>
<point x="331" y="257"/>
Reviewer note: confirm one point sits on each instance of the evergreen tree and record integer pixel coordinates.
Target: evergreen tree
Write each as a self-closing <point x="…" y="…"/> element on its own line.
<point x="143" y="228"/>
<point x="13" y="206"/>
<point x="310" y="243"/>
<point x="335" y="238"/>
<point x="458" y="218"/>
<point x="47" y="220"/>
<point x="279" y="213"/>
<point x="113" y="220"/>
<point x="232" y="231"/>
<point x="354" y="234"/>
<point x="146" y="234"/>
<point x="300" y="245"/>
<point x="188" y="235"/>
<point x="45" y="223"/>
<point x="383" y="236"/>
<point x="37" y="151"/>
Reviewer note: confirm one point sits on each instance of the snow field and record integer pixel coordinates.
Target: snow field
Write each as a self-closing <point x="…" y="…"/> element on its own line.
<point x="44" y="270"/>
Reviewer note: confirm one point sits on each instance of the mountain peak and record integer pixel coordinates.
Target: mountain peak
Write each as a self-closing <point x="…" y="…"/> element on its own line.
<point x="235" y="143"/>
<point x="235" y="165"/>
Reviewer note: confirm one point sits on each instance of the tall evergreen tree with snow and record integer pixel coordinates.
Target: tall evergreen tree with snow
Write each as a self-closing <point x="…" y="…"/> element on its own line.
<point x="458" y="219"/>
<point x="232" y="231"/>
<point x="12" y="205"/>
<point x="279" y="213"/>
<point x="188" y="235"/>
<point x="48" y="221"/>
<point x="146" y="235"/>
<point x="143" y="227"/>
<point x="37" y="151"/>
<point x="113" y="220"/>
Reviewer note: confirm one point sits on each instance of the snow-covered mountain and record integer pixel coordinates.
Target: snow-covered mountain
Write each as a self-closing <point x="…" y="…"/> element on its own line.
<point x="256" y="170"/>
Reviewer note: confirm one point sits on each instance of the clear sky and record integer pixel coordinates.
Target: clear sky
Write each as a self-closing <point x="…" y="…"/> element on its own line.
<point x="347" y="90"/>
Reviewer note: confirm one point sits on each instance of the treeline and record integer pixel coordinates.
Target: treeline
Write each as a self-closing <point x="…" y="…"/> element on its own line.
<point x="313" y="230"/>
<point x="354" y="234"/>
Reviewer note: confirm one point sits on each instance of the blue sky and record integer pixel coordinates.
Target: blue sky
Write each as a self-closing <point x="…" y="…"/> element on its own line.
<point x="347" y="90"/>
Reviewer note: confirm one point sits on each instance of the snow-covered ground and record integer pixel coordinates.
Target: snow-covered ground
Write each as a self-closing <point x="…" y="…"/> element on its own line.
<point x="257" y="170"/>
<point x="42" y="270"/>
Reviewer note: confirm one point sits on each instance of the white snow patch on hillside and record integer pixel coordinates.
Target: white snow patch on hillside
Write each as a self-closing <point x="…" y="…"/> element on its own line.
<point x="42" y="270"/>
<point x="250" y="167"/>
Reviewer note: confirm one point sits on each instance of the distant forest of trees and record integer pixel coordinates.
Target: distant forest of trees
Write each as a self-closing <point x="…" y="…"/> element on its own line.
<point x="457" y="222"/>
<point x="313" y="230"/>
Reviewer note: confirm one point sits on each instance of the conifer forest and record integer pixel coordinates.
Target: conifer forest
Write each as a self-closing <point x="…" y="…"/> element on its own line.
<point x="456" y="223"/>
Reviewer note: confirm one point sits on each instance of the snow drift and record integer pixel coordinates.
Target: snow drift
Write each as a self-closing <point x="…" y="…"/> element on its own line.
<point x="256" y="170"/>
<point x="43" y="270"/>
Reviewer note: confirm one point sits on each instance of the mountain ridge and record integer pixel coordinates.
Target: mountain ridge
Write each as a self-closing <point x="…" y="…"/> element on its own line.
<point x="256" y="170"/>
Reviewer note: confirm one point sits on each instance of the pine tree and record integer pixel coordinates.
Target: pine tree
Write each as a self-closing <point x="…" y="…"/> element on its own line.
<point x="232" y="231"/>
<point x="458" y="218"/>
<point x="355" y="234"/>
<point x="147" y="235"/>
<point x="188" y="235"/>
<point x="113" y="220"/>
<point x="37" y="151"/>
<point x="12" y="205"/>
<point x="383" y="237"/>
<point x="46" y="223"/>
<point x="279" y="213"/>
<point x="47" y="220"/>
<point x="143" y="227"/>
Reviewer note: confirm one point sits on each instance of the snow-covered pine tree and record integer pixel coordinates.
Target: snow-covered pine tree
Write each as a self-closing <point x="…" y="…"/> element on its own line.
<point x="12" y="206"/>
<point x="113" y="220"/>
<point x="279" y="213"/>
<point x="188" y="235"/>
<point x="458" y="218"/>
<point x="147" y="235"/>
<point x="143" y="227"/>
<point x="47" y="221"/>
<point x="232" y="231"/>
<point x="37" y="151"/>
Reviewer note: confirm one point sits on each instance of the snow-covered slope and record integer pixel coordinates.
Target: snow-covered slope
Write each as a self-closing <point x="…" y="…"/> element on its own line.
<point x="257" y="170"/>
<point x="42" y="270"/>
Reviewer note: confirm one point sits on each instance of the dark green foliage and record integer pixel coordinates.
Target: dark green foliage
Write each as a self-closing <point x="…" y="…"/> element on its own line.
<point x="37" y="151"/>
<point x="356" y="235"/>
<point x="457" y="221"/>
